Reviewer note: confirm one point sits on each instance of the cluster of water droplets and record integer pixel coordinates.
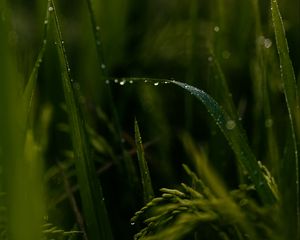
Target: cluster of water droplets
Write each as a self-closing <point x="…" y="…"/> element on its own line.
<point x="123" y="81"/>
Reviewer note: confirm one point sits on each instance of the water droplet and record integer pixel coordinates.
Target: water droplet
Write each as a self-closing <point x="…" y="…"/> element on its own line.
<point x="216" y="28"/>
<point x="62" y="42"/>
<point x="50" y="9"/>
<point x="230" y="124"/>
<point x="156" y="84"/>
<point x="267" y="43"/>
<point x="210" y="58"/>
<point x="269" y="123"/>
<point x="44" y="41"/>
<point x="55" y="43"/>
<point x="122" y="82"/>
<point x="130" y="81"/>
<point x="103" y="66"/>
<point x="107" y="81"/>
<point x="116" y="80"/>
<point x="97" y="28"/>
<point x="132" y="223"/>
<point x="72" y="80"/>
<point x="145" y="81"/>
<point x="103" y="199"/>
<point x="69" y="70"/>
<point x="46" y="22"/>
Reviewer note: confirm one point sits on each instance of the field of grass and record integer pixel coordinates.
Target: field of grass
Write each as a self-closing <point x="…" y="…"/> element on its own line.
<point x="149" y="120"/>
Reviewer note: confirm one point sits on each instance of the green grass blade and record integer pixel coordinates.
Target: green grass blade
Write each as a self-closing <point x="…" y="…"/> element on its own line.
<point x="233" y="133"/>
<point x="96" y="218"/>
<point x="292" y="101"/>
<point x="31" y="84"/>
<point x="144" y="171"/>
<point x="231" y="130"/>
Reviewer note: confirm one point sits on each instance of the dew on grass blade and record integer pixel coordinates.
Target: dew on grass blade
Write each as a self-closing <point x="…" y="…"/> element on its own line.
<point x="50" y="9"/>
<point x="156" y="84"/>
<point x="216" y="28"/>
<point x="267" y="43"/>
<point x="230" y="124"/>
<point x="122" y="82"/>
<point x="103" y="66"/>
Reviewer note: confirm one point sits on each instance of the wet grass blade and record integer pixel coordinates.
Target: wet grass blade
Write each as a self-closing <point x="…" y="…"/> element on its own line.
<point x="96" y="218"/>
<point x="292" y="101"/>
<point x="238" y="142"/>
<point x="231" y="130"/>
<point x="144" y="171"/>
<point x="31" y="84"/>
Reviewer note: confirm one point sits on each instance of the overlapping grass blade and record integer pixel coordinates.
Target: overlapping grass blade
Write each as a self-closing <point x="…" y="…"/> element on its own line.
<point x="144" y="171"/>
<point x="233" y="133"/>
<point x="97" y="222"/>
<point x="292" y="101"/>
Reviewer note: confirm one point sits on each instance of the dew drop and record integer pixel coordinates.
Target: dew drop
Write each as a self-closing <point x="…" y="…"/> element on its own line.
<point x="132" y="223"/>
<point x="216" y="28"/>
<point x="46" y="22"/>
<point x="122" y="82"/>
<point x="69" y="70"/>
<point x="131" y="82"/>
<point x="116" y="80"/>
<point x="210" y="58"/>
<point x="44" y="41"/>
<point x="97" y="28"/>
<point x="62" y="42"/>
<point x="156" y="84"/>
<point x="267" y="43"/>
<point x="145" y="81"/>
<point x="107" y="81"/>
<point x="50" y="9"/>
<point x="103" y="66"/>
<point x="230" y="124"/>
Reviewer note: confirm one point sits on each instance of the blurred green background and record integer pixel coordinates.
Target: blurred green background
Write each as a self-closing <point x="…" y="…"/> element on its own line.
<point x="167" y="39"/>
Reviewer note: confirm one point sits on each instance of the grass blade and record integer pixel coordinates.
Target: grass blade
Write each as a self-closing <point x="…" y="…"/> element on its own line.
<point x="292" y="100"/>
<point x="233" y="133"/>
<point x="31" y="84"/>
<point x="145" y="175"/>
<point x="97" y="222"/>
<point x="238" y="142"/>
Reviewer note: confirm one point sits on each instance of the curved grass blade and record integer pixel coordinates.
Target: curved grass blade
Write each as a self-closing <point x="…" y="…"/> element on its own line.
<point x="238" y="142"/>
<point x="97" y="222"/>
<point x="233" y="133"/>
<point x="292" y="100"/>
<point x="145" y="175"/>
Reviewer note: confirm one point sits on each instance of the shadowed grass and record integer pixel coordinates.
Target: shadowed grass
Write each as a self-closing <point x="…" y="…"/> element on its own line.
<point x="96" y="218"/>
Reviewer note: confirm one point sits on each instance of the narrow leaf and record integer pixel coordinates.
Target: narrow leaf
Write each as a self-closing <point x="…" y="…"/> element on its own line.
<point x="97" y="222"/>
<point x="292" y="101"/>
<point x="145" y="175"/>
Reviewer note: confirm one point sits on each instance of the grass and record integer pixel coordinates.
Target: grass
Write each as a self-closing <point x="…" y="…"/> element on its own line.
<point x="219" y="157"/>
